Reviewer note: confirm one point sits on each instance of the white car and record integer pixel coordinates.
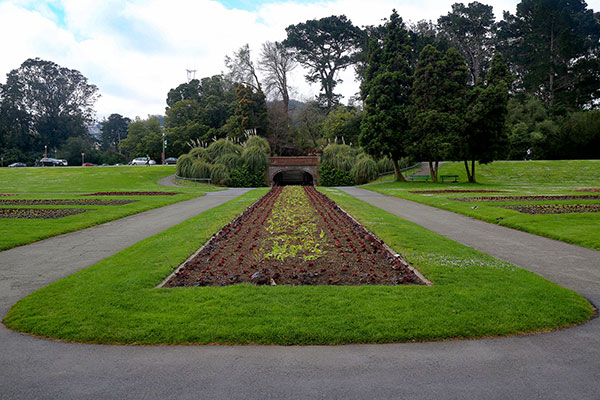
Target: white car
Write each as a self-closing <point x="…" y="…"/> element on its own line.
<point x="142" y="161"/>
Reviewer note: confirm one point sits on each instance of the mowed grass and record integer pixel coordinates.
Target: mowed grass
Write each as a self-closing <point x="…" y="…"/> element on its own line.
<point x="474" y="295"/>
<point x="517" y="178"/>
<point x="72" y="183"/>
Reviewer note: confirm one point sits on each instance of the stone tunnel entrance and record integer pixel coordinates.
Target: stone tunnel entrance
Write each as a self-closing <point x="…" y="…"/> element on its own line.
<point x="293" y="177"/>
<point x="293" y="171"/>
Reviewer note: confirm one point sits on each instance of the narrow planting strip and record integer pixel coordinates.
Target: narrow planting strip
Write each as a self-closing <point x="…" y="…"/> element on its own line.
<point x="454" y="191"/>
<point x="529" y="198"/>
<point x="555" y="208"/>
<point x="131" y="194"/>
<point x="65" y="202"/>
<point x="40" y="213"/>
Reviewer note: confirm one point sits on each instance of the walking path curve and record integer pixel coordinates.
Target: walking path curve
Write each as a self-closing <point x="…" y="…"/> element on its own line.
<point x="557" y="365"/>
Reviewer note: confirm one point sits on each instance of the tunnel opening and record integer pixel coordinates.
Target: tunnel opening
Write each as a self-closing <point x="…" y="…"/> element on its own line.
<point x="293" y="177"/>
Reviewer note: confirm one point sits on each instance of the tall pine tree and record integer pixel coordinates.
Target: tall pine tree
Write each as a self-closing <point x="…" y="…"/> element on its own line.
<point x="386" y="94"/>
<point x="439" y="103"/>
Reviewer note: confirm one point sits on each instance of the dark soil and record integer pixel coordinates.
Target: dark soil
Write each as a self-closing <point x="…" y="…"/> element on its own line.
<point x="40" y="213"/>
<point x="529" y="198"/>
<point x="353" y="255"/>
<point x="555" y="208"/>
<point x="65" y="202"/>
<point x="6" y="194"/>
<point x="131" y="194"/>
<point x="453" y="191"/>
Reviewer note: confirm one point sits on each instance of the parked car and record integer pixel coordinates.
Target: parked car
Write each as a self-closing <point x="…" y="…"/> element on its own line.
<point x="89" y="164"/>
<point x="64" y="162"/>
<point x="51" y="162"/>
<point x="142" y="161"/>
<point x="171" y="160"/>
<point x="17" y="164"/>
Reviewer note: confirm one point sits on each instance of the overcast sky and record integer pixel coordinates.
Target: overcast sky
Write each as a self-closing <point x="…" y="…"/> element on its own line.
<point x="136" y="50"/>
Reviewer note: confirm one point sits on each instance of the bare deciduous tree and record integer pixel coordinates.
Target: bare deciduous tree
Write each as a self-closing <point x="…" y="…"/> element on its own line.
<point x="276" y="62"/>
<point x="241" y="68"/>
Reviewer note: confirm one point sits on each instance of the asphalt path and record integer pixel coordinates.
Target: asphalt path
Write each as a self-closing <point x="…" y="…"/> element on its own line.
<point x="559" y="365"/>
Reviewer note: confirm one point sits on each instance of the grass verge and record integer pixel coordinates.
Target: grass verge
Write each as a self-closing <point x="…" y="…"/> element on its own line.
<point x="516" y="178"/>
<point x="474" y="295"/>
<point x="71" y="183"/>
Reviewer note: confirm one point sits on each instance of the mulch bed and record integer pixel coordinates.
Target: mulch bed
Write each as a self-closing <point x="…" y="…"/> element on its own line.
<point x="65" y="202"/>
<point x="351" y="255"/>
<point x="555" y="208"/>
<point x="529" y="198"/>
<point x="40" y="213"/>
<point x="588" y="190"/>
<point x="6" y="194"/>
<point x="131" y="194"/>
<point x="454" y="191"/>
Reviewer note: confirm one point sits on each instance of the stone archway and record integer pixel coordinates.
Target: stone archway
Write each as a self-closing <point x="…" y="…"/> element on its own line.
<point x="293" y="170"/>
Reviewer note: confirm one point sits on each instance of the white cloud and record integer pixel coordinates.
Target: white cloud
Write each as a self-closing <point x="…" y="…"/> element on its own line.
<point x="136" y="50"/>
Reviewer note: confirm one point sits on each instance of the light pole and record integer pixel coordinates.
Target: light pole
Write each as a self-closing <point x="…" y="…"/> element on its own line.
<point x="82" y="159"/>
<point x="45" y="150"/>
<point x="163" y="145"/>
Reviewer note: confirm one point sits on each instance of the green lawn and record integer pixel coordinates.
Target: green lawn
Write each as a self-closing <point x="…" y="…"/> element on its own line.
<point x="71" y="183"/>
<point x="474" y="295"/>
<point x="517" y="178"/>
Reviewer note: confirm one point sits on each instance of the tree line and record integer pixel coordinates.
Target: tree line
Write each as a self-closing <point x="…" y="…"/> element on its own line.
<point x="465" y="87"/>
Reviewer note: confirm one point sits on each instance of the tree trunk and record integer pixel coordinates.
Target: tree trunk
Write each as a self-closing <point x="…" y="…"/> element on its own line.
<point x="399" y="176"/>
<point x="469" y="177"/>
<point x="433" y="167"/>
<point x="472" y="171"/>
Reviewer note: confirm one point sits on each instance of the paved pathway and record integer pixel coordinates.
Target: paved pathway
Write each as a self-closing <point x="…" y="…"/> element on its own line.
<point x="558" y="365"/>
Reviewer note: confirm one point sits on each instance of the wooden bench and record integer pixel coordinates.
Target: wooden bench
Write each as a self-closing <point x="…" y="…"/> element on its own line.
<point x="419" y="178"/>
<point x="454" y="177"/>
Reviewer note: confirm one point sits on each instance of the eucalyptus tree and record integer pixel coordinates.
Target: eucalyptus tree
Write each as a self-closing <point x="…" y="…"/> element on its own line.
<point x="276" y="62"/>
<point x="554" y="48"/>
<point x="471" y="30"/>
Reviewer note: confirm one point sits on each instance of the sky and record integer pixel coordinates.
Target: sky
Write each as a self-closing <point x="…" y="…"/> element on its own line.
<point x="135" y="51"/>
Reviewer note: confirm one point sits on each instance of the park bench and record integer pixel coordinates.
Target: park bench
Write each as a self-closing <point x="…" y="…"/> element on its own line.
<point x="454" y="177"/>
<point x="419" y="178"/>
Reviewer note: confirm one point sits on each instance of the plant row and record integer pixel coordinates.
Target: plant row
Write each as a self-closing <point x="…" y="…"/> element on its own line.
<point x="40" y="213"/>
<point x="131" y="194"/>
<point x="529" y="198"/>
<point x="65" y="202"/>
<point x="555" y="208"/>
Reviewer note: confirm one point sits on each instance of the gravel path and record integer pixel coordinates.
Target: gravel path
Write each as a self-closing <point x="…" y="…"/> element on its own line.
<point x="558" y="365"/>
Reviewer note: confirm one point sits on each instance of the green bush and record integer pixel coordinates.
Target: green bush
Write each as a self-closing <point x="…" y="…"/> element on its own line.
<point x="385" y="165"/>
<point x="200" y="153"/>
<point x="222" y="147"/>
<point x="330" y="176"/>
<point x="255" y="158"/>
<point x="339" y="156"/>
<point x="364" y="170"/>
<point x="184" y="163"/>
<point x="243" y="177"/>
<point x="219" y="174"/>
<point x="199" y="169"/>
<point x="260" y="142"/>
<point x="231" y="161"/>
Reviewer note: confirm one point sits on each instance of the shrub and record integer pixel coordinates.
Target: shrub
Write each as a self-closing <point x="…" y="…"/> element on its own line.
<point x="231" y="161"/>
<point x="222" y="147"/>
<point x="243" y="177"/>
<point x="255" y="158"/>
<point x="184" y="163"/>
<point x="385" y="165"/>
<point x="339" y="156"/>
<point x="330" y="176"/>
<point x="364" y="170"/>
<point x="199" y="169"/>
<point x="199" y="153"/>
<point x="260" y="142"/>
<point x="219" y="174"/>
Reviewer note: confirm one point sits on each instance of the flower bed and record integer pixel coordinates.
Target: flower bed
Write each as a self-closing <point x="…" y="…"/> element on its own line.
<point x="555" y="208"/>
<point x="294" y="236"/>
<point x="529" y="198"/>
<point x="40" y="213"/>
<point x="65" y="202"/>
<point x="6" y="194"/>
<point x="588" y="190"/>
<point x="131" y="194"/>
<point x="453" y="191"/>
